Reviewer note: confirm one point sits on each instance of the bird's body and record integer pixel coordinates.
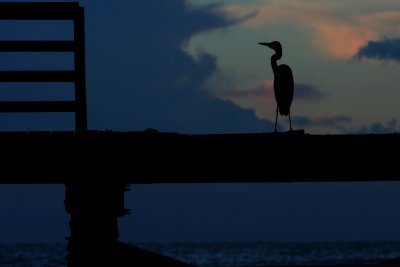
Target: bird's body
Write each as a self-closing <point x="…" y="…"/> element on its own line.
<point x="283" y="82"/>
<point x="283" y="88"/>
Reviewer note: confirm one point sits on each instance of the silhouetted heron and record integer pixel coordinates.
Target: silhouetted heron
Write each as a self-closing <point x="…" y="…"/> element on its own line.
<point x="283" y="82"/>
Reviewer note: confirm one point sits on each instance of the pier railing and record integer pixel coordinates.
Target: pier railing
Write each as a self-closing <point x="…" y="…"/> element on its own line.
<point x="49" y="11"/>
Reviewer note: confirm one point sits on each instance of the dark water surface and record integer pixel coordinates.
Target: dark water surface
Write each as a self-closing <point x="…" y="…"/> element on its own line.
<point x="222" y="254"/>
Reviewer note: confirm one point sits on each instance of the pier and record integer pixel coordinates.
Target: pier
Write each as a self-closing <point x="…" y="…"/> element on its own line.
<point x="97" y="167"/>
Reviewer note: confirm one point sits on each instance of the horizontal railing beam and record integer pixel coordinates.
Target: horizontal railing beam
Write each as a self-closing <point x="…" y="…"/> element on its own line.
<point x="4" y="5"/>
<point x="38" y="10"/>
<point x="37" y="76"/>
<point x="37" y="106"/>
<point x="37" y="46"/>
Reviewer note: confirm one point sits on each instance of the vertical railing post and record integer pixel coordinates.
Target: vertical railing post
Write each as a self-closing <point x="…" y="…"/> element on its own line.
<point x="80" y="70"/>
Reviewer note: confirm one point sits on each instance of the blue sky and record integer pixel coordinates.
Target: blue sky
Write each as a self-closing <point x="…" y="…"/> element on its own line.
<point x="195" y="67"/>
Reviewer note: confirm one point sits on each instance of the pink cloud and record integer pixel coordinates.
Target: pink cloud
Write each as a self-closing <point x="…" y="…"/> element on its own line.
<point x="332" y="120"/>
<point x="339" y="30"/>
<point x="263" y="92"/>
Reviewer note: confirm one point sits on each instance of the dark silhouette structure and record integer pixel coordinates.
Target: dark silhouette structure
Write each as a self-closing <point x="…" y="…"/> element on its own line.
<point x="94" y="189"/>
<point x="48" y="11"/>
<point x="94" y="207"/>
<point x="283" y="82"/>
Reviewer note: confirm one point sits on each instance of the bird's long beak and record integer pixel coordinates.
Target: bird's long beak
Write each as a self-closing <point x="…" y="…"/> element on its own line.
<point x="266" y="44"/>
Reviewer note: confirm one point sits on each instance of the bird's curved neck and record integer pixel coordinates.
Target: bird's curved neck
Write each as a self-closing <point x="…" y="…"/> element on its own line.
<point x="274" y="59"/>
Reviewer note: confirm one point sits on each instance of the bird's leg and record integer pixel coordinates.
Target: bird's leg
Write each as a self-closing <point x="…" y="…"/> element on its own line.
<point x="290" y="122"/>
<point x="276" y="118"/>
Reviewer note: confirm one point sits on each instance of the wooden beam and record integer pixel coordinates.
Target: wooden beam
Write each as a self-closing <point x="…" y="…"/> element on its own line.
<point x="37" y="46"/>
<point x="80" y="69"/>
<point x="37" y="76"/>
<point x="37" y="106"/>
<point x="146" y="157"/>
<point x="38" y="4"/>
<point x="38" y="10"/>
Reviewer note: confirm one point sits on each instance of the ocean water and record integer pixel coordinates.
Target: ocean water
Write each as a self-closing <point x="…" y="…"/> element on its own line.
<point x="222" y="254"/>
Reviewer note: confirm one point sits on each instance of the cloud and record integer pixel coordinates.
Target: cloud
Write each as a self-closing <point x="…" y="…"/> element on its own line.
<point x="308" y="92"/>
<point x="338" y="29"/>
<point x="333" y="120"/>
<point x="265" y="92"/>
<point x="139" y="76"/>
<point x="336" y="121"/>
<point x="384" y="49"/>
<point x="261" y="91"/>
<point x="380" y="128"/>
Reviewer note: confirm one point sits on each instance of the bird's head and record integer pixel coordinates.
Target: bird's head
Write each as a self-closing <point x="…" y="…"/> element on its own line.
<point x="275" y="45"/>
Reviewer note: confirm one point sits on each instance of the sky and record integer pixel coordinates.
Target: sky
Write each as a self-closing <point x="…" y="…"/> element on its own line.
<point x="195" y="67"/>
<point x="344" y="56"/>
